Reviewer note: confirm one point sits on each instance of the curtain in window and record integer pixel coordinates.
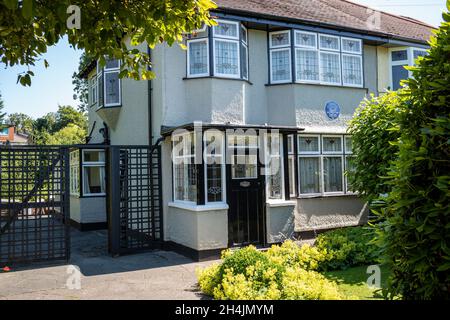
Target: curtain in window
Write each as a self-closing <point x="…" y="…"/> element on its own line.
<point x="112" y="88"/>
<point x="307" y="65"/>
<point x="281" y="65"/>
<point x="332" y="174"/>
<point x="226" y="57"/>
<point x="352" y="70"/>
<point x="330" y="69"/>
<point x="198" y="57"/>
<point x="309" y="175"/>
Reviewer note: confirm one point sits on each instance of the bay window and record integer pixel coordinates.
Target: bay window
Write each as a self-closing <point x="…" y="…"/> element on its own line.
<point x="75" y="173"/>
<point x="226" y="43"/>
<point x="107" y="89"/>
<point x="322" y="162"/>
<point x="330" y="68"/>
<point x="291" y="164"/>
<point x="93" y="174"/>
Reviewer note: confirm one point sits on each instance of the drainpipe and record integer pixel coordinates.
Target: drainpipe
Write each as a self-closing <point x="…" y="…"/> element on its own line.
<point x="150" y="107"/>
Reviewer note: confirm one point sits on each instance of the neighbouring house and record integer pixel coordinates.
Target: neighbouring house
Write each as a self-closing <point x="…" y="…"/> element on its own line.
<point x="283" y="71"/>
<point x="8" y="135"/>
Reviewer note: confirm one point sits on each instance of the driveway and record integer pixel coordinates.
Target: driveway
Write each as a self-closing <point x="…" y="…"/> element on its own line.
<point x="153" y="275"/>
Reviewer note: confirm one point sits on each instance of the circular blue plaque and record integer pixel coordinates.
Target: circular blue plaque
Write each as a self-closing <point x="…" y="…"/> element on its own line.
<point x="332" y="110"/>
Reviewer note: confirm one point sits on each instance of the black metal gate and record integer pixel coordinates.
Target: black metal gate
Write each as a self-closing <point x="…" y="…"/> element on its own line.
<point x="134" y="198"/>
<point x="34" y="208"/>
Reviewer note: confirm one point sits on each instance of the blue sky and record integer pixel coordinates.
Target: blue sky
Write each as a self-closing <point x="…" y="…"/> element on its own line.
<point x="53" y="86"/>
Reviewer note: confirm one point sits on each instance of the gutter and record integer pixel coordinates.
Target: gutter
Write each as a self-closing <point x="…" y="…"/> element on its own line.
<point x="150" y="104"/>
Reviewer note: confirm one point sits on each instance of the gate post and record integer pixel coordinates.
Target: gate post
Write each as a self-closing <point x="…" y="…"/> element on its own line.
<point x="113" y="200"/>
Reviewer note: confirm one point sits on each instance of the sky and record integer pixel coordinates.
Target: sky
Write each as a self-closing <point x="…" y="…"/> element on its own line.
<point x="53" y="86"/>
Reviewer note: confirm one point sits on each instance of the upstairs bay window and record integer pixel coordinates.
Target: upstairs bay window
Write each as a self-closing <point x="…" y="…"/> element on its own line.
<point x="399" y="59"/>
<point x="106" y="85"/>
<point x="318" y="58"/>
<point x="227" y="44"/>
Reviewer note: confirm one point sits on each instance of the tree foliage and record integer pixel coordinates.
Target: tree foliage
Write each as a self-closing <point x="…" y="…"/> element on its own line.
<point x="417" y="229"/>
<point x="2" y="114"/>
<point x="373" y="128"/>
<point x="22" y="122"/>
<point x="29" y="27"/>
<point x="81" y="86"/>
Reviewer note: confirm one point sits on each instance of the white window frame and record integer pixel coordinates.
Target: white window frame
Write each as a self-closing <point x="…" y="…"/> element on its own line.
<point x="409" y="62"/>
<point x="333" y="155"/>
<point x="352" y="52"/>
<point x="238" y="30"/>
<point x="93" y="92"/>
<point x="225" y="75"/>
<point x="90" y="164"/>
<point x="303" y="46"/>
<point x="290" y="65"/>
<point x="112" y="70"/>
<point x="207" y="73"/>
<point x="332" y="136"/>
<point x="75" y="173"/>
<point x="267" y="167"/>
<point x="412" y="53"/>
<point x="316" y="194"/>
<point x="318" y="65"/>
<point x="245" y="44"/>
<point x="347" y="154"/>
<point x="223" y="166"/>
<point x="319" y="142"/>
<point x="338" y="50"/>
<point x="190" y="155"/>
<point x="323" y="82"/>
<point x="271" y="46"/>
<point x="362" y="70"/>
<point x="291" y="155"/>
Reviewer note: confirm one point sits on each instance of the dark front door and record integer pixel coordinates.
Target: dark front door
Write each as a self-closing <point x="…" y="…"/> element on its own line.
<point x="245" y="192"/>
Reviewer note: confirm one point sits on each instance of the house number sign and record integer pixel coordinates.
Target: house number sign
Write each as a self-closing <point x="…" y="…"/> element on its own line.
<point x="332" y="110"/>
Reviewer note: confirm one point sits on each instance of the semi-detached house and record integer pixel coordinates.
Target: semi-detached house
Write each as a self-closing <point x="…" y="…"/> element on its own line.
<point x="283" y="71"/>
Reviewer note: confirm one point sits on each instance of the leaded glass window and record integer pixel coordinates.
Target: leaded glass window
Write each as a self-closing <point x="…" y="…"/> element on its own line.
<point x="309" y="175"/>
<point x="332" y="174"/>
<point x="305" y="39"/>
<point x="280" y="39"/>
<point x="215" y="166"/>
<point x="198" y="57"/>
<point x="226" y="57"/>
<point x="307" y="65"/>
<point x="327" y="42"/>
<point x="227" y="29"/>
<point x="184" y="168"/>
<point x="351" y="45"/>
<point x="274" y="173"/>
<point x="330" y="68"/>
<point x="280" y="65"/>
<point x="352" y="72"/>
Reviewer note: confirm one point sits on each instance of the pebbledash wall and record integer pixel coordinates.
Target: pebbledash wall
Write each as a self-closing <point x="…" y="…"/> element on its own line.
<point x="177" y="101"/>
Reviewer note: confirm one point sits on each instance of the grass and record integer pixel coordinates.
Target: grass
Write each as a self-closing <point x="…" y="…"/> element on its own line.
<point x="353" y="282"/>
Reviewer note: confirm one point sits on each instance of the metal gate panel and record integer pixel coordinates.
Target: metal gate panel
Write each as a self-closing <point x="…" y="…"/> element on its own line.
<point x="34" y="208"/>
<point x="134" y="198"/>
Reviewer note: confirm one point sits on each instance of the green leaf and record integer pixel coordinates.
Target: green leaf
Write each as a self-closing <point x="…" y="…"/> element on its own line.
<point x="11" y="4"/>
<point x="27" y="9"/>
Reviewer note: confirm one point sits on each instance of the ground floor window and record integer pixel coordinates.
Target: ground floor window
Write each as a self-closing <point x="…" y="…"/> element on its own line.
<point x="184" y="168"/>
<point x="322" y="162"/>
<point x="90" y="171"/>
<point x="214" y="151"/>
<point x="274" y="165"/>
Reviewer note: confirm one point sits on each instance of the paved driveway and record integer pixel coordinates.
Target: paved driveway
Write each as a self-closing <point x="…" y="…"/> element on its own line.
<point x="153" y="275"/>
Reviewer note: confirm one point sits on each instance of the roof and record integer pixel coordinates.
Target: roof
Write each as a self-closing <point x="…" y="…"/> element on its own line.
<point x="341" y="13"/>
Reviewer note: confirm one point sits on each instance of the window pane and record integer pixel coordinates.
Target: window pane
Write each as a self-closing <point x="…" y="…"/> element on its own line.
<point x="185" y="182"/>
<point x="94" y="180"/>
<point x="348" y="145"/>
<point x="329" y="42"/>
<point x="349" y="170"/>
<point x="100" y="89"/>
<point x="291" y="168"/>
<point x="244" y="34"/>
<point x="290" y="143"/>
<point x="112" y="88"/>
<point x="307" y="65"/>
<point x="398" y="73"/>
<point x="330" y="69"/>
<point x="419" y="53"/>
<point x="226" y="57"/>
<point x="332" y="144"/>
<point x="281" y="65"/>
<point x="305" y="40"/>
<point x="401" y="55"/>
<point x="198" y="57"/>
<point x="112" y="64"/>
<point x="226" y="29"/>
<point x="352" y="70"/>
<point x="274" y="178"/>
<point x="309" y="175"/>
<point x="242" y="140"/>
<point x="332" y="174"/>
<point x="94" y="156"/>
<point x="350" y="45"/>
<point x="214" y="181"/>
<point x="244" y="59"/>
<point x="308" y="144"/>
<point x="279" y="39"/>
<point x="244" y="166"/>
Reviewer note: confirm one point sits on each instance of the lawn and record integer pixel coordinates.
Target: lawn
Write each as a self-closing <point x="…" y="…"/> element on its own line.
<point x="352" y="282"/>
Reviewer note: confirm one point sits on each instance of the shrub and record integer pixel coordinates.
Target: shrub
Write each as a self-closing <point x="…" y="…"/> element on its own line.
<point x="416" y="235"/>
<point x="348" y="247"/>
<point x="290" y="255"/>
<point x="373" y="127"/>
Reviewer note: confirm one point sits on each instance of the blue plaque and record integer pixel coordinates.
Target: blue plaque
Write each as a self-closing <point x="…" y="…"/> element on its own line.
<point x="332" y="110"/>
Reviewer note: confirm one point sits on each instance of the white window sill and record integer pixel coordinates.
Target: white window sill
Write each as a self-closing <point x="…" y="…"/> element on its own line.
<point x="280" y="203"/>
<point x="327" y="195"/>
<point x="199" y="208"/>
